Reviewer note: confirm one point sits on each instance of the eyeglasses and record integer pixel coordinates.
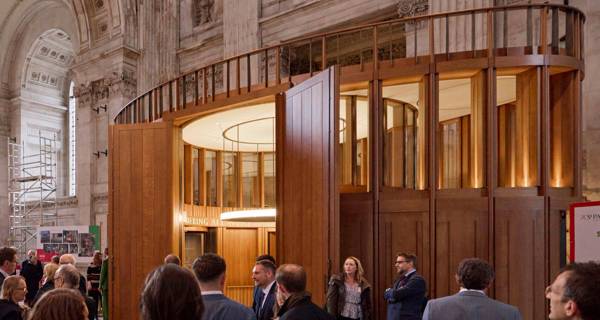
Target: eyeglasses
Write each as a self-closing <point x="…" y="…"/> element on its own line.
<point x="400" y="262"/>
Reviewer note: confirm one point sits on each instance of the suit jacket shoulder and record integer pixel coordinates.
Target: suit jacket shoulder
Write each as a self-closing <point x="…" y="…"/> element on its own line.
<point x="469" y="305"/>
<point x="219" y="307"/>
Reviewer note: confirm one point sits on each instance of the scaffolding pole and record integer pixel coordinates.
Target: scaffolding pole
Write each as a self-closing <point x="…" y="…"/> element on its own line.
<point x="31" y="191"/>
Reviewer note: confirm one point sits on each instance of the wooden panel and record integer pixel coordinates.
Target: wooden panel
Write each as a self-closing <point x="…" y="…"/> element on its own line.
<point x="519" y="251"/>
<point x="356" y="231"/>
<point x="142" y="213"/>
<point x="188" y="175"/>
<point x="240" y="249"/>
<point x="461" y="232"/>
<point x="272" y="244"/>
<point x="307" y="202"/>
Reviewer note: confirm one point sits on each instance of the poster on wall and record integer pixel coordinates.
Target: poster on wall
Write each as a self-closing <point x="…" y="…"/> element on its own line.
<point x="80" y="241"/>
<point x="584" y="233"/>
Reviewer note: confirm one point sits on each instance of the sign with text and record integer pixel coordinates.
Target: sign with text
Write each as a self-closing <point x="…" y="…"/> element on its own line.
<point x="584" y="233"/>
<point x="80" y="241"/>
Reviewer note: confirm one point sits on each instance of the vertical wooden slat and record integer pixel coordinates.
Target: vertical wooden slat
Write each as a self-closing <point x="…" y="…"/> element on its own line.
<point x="213" y="88"/>
<point x="205" y="85"/>
<point x="248" y="73"/>
<point x="266" y="68"/>
<point x="277" y="65"/>
<point x="237" y="76"/>
<point x="177" y="91"/>
<point x="544" y="30"/>
<point x="228" y="79"/>
<point x="555" y="31"/>
<point x="196" y="95"/>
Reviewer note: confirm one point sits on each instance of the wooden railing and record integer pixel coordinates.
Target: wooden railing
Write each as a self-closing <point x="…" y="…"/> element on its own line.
<point x="534" y="29"/>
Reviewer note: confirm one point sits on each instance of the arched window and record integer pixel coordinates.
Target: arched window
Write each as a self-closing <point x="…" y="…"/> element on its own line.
<point x="72" y="143"/>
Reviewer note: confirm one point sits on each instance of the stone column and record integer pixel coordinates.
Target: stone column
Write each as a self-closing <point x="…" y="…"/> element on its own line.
<point x="85" y="134"/>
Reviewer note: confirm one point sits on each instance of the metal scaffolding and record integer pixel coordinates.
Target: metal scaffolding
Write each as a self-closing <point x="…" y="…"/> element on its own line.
<point x="31" y="191"/>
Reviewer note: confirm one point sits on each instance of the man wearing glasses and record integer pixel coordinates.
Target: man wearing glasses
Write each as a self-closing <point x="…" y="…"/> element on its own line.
<point x="8" y="263"/>
<point x="407" y="295"/>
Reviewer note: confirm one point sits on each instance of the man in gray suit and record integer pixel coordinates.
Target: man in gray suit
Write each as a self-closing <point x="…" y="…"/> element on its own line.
<point x="474" y="277"/>
<point x="210" y="271"/>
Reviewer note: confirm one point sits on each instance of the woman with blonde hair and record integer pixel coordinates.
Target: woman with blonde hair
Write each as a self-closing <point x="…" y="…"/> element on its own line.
<point x="14" y="289"/>
<point x="60" y="304"/>
<point x="349" y="293"/>
<point x="49" y="271"/>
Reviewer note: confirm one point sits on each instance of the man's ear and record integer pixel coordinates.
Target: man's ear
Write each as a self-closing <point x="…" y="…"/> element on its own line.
<point x="571" y="308"/>
<point x="457" y="280"/>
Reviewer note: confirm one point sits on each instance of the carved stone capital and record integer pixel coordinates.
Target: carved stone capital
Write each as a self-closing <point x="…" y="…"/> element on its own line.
<point x="123" y="83"/>
<point x="411" y="8"/>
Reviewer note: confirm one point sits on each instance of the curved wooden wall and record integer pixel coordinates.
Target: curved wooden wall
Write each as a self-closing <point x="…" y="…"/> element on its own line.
<point x="516" y="228"/>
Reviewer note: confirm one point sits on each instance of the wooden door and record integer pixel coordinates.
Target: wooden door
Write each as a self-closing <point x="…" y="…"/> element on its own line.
<point x="308" y="195"/>
<point x="143" y="208"/>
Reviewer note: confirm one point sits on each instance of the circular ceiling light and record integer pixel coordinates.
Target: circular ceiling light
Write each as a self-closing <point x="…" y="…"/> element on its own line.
<point x="255" y="215"/>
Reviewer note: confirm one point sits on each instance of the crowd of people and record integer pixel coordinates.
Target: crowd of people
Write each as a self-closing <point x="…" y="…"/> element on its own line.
<point x="55" y="291"/>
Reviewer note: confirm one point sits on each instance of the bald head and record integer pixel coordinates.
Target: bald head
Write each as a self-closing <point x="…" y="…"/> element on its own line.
<point x="171" y="258"/>
<point x="291" y="277"/>
<point x="67" y="259"/>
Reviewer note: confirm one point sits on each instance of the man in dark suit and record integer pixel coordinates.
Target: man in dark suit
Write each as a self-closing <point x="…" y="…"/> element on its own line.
<point x="33" y="271"/>
<point x="474" y="276"/>
<point x="8" y="263"/>
<point x="210" y="271"/>
<point x="265" y="289"/>
<point x="407" y="295"/>
<point x="296" y="301"/>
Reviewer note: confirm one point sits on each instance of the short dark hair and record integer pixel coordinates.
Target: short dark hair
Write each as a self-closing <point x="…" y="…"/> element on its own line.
<point x="475" y="274"/>
<point x="7" y="254"/>
<point x="267" y="264"/>
<point x="209" y="267"/>
<point x="266" y="257"/>
<point x="583" y="287"/>
<point x="70" y="276"/>
<point x="409" y="257"/>
<point x="171" y="292"/>
<point x="292" y="277"/>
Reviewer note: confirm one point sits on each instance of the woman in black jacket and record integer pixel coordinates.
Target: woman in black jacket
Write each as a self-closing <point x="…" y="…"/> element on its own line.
<point x="49" y="271"/>
<point x="349" y="293"/>
<point x="13" y="292"/>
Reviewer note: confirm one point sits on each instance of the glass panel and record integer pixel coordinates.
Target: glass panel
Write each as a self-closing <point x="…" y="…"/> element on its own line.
<point x="404" y="136"/>
<point x="518" y="129"/>
<point x="230" y="179"/>
<point x="194" y="247"/>
<point x="354" y="138"/>
<point x="250" y="188"/>
<point x="461" y="134"/>
<point x="196" y="178"/>
<point x="269" y="179"/>
<point x="210" y="175"/>
<point x="563" y="100"/>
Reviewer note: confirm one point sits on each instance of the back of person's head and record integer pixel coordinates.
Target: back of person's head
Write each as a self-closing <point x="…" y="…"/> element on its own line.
<point x="292" y="277"/>
<point x="50" y="270"/>
<point x="69" y="276"/>
<point x="475" y="274"/>
<point x="266" y="257"/>
<point x="174" y="259"/>
<point x="60" y="304"/>
<point x="10" y="285"/>
<point x="209" y="267"/>
<point x="583" y="287"/>
<point x="171" y="292"/>
<point x="67" y="259"/>
<point x="55" y="259"/>
<point x="7" y="254"/>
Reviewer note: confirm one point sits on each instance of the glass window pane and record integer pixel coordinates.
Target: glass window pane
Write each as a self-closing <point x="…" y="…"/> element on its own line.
<point x="404" y="136"/>
<point x="250" y="190"/>
<point x="210" y="175"/>
<point x="196" y="178"/>
<point x="461" y="135"/>
<point x="269" y="179"/>
<point x="354" y="138"/>
<point x="230" y="179"/>
<point x="518" y="131"/>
